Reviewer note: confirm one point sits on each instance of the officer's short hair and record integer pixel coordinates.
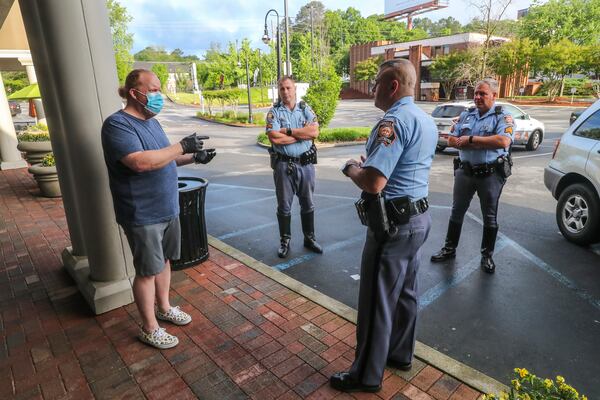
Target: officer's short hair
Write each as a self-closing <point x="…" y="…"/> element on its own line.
<point x="285" y="78"/>
<point x="403" y="71"/>
<point x="491" y="82"/>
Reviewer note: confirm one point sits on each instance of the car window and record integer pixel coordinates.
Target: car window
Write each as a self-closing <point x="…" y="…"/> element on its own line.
<point x="515" y="112"/>
<point x="447" y="111"/>
<point x="590" y="128"/>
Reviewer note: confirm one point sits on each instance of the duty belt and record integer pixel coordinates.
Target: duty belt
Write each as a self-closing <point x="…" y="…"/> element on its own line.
<point x="415" y="207"/>
<point x="478" y="170"/>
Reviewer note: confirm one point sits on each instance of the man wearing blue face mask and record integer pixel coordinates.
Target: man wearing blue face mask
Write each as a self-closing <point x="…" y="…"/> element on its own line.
<point x="143" y="181"/>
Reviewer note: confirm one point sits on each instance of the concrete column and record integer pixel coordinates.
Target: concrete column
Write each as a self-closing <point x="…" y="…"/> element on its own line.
<point x="71" y="47"/>
<point x="32" y="77"/>
<point x="10" y="157"/>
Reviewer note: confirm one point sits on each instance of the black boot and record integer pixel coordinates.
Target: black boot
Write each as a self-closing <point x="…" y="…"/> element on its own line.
<point x="488" y="242"/>
<point x="449" y="250"/>
<point x="308" y="228"/>
<point x="285" y="234"/>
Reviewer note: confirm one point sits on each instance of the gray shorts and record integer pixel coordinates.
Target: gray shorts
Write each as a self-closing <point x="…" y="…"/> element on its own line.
<point x="152" y="245"/>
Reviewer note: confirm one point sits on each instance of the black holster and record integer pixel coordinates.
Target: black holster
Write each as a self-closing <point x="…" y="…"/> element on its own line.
<point x="372" y="212"/>
<point x="505" y="164"/>
<point x="399" y="210"/>
<point x="272" y="157"/>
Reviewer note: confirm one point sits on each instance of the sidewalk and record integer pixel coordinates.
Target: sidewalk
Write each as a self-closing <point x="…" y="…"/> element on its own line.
<point x="250" y="336"/>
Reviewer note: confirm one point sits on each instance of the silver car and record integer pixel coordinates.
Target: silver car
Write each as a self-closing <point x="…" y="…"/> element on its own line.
<point x="573" y="177"/>
<point x="528" y="131"/>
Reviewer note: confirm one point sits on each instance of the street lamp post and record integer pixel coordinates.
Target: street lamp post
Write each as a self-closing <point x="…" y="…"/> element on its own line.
<point x="249" y="95"/>
<point x="288" y="63"/>
<point x="266" y="39"/>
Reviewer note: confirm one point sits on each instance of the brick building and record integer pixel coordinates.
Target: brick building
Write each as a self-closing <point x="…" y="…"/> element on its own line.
<point x="422" y="53"/>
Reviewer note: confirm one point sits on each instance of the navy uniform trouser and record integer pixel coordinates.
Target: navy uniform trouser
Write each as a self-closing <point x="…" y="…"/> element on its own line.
<point x="387" y="301"/>
<point x="488" y="190"/>
<point x="299" y="182"/>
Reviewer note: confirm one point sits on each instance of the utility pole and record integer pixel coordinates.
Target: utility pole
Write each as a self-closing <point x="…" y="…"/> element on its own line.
<point x="249" y="95"/>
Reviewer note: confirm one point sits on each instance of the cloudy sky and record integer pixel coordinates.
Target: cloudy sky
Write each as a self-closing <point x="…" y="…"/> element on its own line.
<point x="192" y="25"/>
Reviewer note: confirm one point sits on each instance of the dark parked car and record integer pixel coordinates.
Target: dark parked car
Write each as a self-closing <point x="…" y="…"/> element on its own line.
<point x="15" y="107"/>
<point x="574" y="116"/>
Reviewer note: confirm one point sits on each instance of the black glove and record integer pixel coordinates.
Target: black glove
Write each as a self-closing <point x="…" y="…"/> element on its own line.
<point x="192" y="143"/>
<point x="204" y="156"/>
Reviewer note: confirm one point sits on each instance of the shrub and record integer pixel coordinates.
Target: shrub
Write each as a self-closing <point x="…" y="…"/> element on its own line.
<point x="323" y="96"/>
<point x="332" y="135"/>
<point x="526" y="386"/>
<point x="48" y="160"/>
<point x="35" y="133"/>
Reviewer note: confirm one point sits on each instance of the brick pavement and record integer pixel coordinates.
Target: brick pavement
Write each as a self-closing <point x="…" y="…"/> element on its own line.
<point x="251" y="337"/>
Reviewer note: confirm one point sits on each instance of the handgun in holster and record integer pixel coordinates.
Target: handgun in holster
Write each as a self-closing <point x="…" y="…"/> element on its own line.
<point x="505" y="164"/>
<point x="372" y="213"/>
<point x="272" y="157"/>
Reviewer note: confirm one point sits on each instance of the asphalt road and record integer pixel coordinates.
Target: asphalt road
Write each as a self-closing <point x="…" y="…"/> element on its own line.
<point x="541" y="310"/>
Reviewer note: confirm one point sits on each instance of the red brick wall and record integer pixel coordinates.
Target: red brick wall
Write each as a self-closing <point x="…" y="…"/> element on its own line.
<point x="360" y="53"/>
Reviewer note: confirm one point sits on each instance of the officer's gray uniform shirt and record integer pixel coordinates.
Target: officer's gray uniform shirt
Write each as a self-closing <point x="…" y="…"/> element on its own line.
<point x="489" y="124"/>
<point x="401" y="147"/>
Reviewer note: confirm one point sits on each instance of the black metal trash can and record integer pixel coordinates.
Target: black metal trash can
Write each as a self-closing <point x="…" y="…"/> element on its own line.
<point x="194" y="242"/>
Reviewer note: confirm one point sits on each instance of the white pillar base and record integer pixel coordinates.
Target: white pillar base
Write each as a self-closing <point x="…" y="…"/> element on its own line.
<point x="4" y="165"/>
<point x="101" y="296"/>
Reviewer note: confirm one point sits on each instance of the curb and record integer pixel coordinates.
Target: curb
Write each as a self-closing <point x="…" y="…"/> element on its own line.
<point x="325" y="145"/>
<point x="228" y="123"/>
<point x="429" y="355"/>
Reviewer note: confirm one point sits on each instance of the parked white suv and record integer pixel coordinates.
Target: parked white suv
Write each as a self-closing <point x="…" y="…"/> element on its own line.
<point x="527" y="131"/>
<point x="573" y="177"/>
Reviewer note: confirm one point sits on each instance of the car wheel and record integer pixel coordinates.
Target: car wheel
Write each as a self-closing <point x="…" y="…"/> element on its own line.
<point x="440" y="148"/>
<point x="534" y="141"/>
<point x="578" y="214"/>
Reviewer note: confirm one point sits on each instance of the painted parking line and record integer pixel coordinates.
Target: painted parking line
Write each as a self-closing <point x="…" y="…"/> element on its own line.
<point x="332" y="247"/>
<point x="538" y="262"/>
<point x="532" y="155"/>
<point x="270" y="224"/>
<point x="241" y="203"/>
<point x="457" y="277"/>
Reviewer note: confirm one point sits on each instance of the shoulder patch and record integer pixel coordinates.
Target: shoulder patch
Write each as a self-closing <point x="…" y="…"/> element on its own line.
<point x="508" y="130"/>
<point x="270" y="117"/>
<point x="385" y="132"/>
<point x="509" y="119"/>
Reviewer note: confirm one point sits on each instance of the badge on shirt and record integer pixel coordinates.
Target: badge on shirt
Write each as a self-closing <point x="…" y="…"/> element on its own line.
<point x="385" y="133"/>
<point x="270" y="117"/>
<point x="509" y="119"/>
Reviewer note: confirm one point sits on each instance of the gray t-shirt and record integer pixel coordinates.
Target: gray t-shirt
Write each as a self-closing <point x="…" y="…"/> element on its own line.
<point x="140" y="198"/>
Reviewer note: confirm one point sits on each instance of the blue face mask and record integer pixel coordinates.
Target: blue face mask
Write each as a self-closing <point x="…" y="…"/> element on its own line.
<point x="155" y="102"/>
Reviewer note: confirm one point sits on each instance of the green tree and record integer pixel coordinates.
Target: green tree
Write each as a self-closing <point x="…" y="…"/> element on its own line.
<point x="454" y="69"/>
<point x="303" y="17"/>
<point x="555" y="61"/>
<point x="118" y="18"/>
<point x="513" y="57"/>
<point x="323" y="95"/>
<point x="575" y="20"/>
<point x="367" y="70"/>
<point x="152" y="53"/>
<point x="162" y="73"/>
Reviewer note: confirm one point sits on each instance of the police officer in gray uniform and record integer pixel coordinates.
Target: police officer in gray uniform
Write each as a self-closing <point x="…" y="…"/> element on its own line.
<point x="483" y="135"/>
<point x="394" y="178"/>
<point x="291" y="128"/>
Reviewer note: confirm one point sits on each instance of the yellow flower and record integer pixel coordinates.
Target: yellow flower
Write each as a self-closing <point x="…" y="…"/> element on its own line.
<point x="523" y="373"/>
<point x="583" y="397"/>
<point x="560" y="379"/>
<point x="548" y="383"/>
<point x="516" y="384"/>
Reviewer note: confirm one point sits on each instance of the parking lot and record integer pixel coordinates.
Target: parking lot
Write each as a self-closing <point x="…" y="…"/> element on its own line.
<point x="541" y="310"/>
